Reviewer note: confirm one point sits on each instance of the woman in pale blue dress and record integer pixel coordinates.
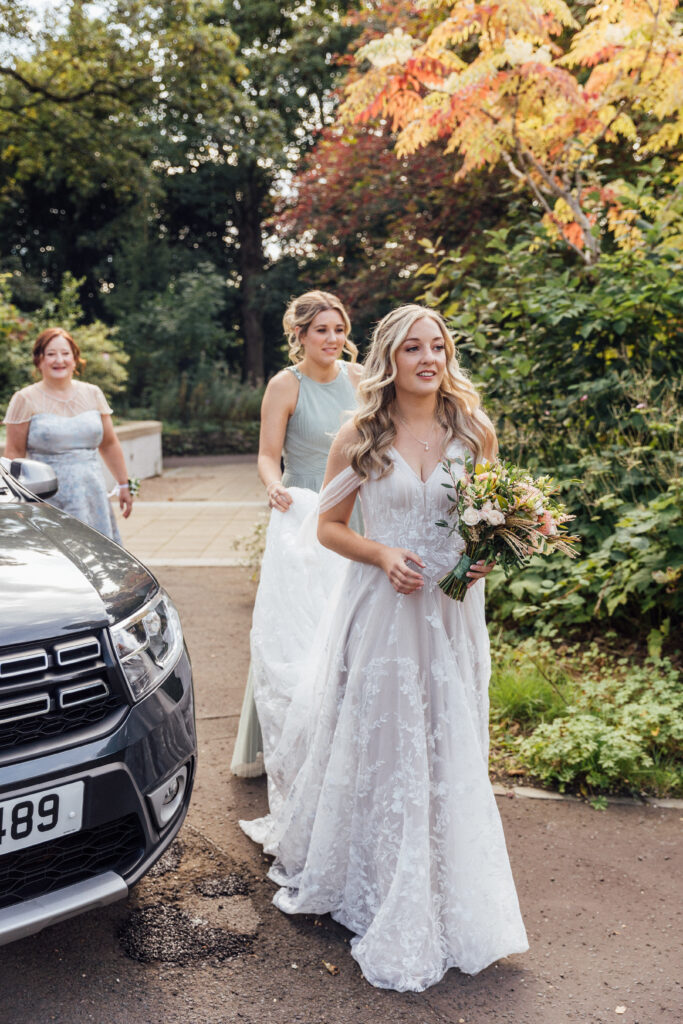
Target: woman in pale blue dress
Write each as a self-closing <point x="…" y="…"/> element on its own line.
<point x="66" y="422"/>
<point x="303" y="408"/>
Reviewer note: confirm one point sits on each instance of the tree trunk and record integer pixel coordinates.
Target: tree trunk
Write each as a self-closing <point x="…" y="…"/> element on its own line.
<point x="252" y="266"/>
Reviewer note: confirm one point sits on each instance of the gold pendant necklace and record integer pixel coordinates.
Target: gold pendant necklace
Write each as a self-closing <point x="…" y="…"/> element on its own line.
<point x="425" y="444"/>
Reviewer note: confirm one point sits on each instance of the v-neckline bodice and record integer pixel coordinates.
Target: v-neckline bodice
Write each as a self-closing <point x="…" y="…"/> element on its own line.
<point x="416" y="475"/>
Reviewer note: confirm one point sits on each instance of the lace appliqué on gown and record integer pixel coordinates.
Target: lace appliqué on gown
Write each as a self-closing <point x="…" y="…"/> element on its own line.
<point x="391" y="824"/>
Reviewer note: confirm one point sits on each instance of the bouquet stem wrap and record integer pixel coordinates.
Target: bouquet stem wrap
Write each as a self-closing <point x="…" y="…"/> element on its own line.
<point x="454" y="583"/>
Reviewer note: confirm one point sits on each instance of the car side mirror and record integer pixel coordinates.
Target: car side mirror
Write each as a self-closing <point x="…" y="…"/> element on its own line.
<point x="37" y="477"/>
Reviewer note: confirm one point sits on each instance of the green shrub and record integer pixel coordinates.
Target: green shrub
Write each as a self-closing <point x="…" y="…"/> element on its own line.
<point x="171" y="331"/>
<point x="15" y="346"/>
<point x="582" y="370"/>
<point x="100" y="347"/>
<point x="526" y="685"/>
<point x="622" y="729"/>
<point x="230" y="439"/>
<point x="212" y="397"/>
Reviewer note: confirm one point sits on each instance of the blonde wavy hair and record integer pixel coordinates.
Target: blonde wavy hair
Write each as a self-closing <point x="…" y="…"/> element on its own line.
<point x="458" y="407"/>
<point x="300" y="314"/>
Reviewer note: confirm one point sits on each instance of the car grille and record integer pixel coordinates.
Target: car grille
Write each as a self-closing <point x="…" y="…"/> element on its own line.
<point x="38" y="870"/>
<point x="55" y="690"/>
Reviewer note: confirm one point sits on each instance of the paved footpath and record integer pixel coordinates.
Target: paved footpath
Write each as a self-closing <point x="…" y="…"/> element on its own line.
<point x="600" y="891"/>
<point x="201" y="512"/>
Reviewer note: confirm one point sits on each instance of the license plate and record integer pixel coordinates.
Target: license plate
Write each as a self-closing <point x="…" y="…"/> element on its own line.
<point x="40" y="817"/>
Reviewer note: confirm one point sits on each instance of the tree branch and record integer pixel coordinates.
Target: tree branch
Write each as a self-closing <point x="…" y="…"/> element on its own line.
<point x="98" y="87"/>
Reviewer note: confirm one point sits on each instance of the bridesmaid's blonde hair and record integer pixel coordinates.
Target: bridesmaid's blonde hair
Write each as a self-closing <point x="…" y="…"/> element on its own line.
<point x="458" y="407"/>
<point x="302" y="311"/>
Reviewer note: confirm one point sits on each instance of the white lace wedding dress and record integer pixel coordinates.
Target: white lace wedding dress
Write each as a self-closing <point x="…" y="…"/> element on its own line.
<point x="391" y="824"/>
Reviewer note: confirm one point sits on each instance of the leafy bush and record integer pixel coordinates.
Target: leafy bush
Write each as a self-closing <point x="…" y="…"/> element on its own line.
<point x="582" y="369"/>
<point x="211" y="396"/>
<point x="626" y="494"/>
<point x="622" y="729"/>
<point x="230" y="439"/>
<point x="15" y="346"/>
<point x="584" y="716"/>
<point x="105" y="360"/>
<point x="171" y="332"/>
<point x="524" y="688"/>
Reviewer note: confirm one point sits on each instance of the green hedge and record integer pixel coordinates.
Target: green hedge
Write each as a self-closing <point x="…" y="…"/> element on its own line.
<point x="229" y="439"/>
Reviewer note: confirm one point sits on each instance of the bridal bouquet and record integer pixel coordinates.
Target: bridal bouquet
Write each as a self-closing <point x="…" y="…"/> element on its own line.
<point x="504" y="515"/>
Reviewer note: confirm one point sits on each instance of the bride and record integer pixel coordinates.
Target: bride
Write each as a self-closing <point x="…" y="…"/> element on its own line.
<point x="391" y="825"/>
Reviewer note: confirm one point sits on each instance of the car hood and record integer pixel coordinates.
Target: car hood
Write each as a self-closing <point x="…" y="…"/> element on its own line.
<point x="58" y="575"/>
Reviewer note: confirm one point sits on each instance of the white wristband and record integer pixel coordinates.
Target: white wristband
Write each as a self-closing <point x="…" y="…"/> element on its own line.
<point x="118" y="488"/>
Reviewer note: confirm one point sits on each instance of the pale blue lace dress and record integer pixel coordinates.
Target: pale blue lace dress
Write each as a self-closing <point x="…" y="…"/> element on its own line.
<point x="320" y="411"/>
<point x="67" y="436"/>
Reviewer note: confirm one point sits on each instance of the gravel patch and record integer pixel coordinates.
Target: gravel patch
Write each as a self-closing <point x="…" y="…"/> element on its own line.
<point x="172" y="935"/>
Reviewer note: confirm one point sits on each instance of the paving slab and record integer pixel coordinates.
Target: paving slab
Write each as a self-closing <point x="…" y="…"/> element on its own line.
<point x="202" y="511"/>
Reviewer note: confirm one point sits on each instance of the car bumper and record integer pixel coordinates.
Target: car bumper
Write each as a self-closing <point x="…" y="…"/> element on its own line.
<point x="121" y="834"/>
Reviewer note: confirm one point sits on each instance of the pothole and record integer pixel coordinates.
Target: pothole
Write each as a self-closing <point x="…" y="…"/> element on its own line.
<point x="173" y="935"/>
<point x="193" y="905"/>
<point x="230" y="885"/>
<point x="169" y="861"/>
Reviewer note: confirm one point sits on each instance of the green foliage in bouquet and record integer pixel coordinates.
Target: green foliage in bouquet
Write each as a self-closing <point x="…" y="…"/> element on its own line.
<point x="504" y="515"/>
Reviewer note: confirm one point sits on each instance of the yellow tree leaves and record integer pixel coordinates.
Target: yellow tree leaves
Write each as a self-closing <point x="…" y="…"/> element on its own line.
<point x="523" y="83"/>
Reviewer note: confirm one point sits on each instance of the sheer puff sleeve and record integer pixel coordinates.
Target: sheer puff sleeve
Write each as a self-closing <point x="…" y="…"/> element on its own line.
<point x="101" y="403"/>
<point x="21" y="408"/>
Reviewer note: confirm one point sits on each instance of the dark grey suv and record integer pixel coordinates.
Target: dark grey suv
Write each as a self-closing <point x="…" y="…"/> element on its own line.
<point x="97" y="734"/>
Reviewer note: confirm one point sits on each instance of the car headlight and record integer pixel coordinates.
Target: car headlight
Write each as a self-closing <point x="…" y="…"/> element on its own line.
<point x="148" y="644"/>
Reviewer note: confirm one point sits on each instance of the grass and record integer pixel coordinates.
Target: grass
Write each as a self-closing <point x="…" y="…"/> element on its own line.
<point x="583" y="718"/>
<point x="522" y="689"/>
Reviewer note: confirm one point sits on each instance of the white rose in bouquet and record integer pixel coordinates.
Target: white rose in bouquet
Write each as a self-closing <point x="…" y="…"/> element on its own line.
<point x="471" y="516"/>
<point x="495" y="517"/>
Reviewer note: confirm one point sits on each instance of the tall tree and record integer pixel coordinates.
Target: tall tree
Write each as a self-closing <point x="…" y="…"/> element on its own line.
<point x="82" y="106"/>
<point x="356" y="217"/>
<point x="135" y="129"/>
<point x="288" y="52"/>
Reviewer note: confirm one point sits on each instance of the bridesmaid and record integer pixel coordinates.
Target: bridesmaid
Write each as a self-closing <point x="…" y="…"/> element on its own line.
<point x="65" y="422"/>
<point x="303" y="407"/>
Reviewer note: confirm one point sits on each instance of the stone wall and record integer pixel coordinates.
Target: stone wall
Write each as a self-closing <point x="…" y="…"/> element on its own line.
<point x="141" y="443"/>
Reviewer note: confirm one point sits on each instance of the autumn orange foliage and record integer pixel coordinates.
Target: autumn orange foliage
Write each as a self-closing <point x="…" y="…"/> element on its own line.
<point x="523" y="83"/>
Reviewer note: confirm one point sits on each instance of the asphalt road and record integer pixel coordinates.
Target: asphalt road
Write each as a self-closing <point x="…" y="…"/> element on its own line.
<point x="200" y="942"/>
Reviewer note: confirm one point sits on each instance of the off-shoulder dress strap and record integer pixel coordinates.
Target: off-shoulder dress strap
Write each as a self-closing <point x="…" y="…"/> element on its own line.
<point x="339" y="487"/>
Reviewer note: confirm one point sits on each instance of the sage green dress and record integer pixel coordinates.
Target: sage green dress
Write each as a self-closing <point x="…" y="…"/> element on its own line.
<point x="320" y="411"/>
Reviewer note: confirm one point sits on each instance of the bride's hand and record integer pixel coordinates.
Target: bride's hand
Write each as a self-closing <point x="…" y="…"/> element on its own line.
<point x="403" y="579"/>
<point x="278" y="497"/>
<point x="478" y="570"/>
